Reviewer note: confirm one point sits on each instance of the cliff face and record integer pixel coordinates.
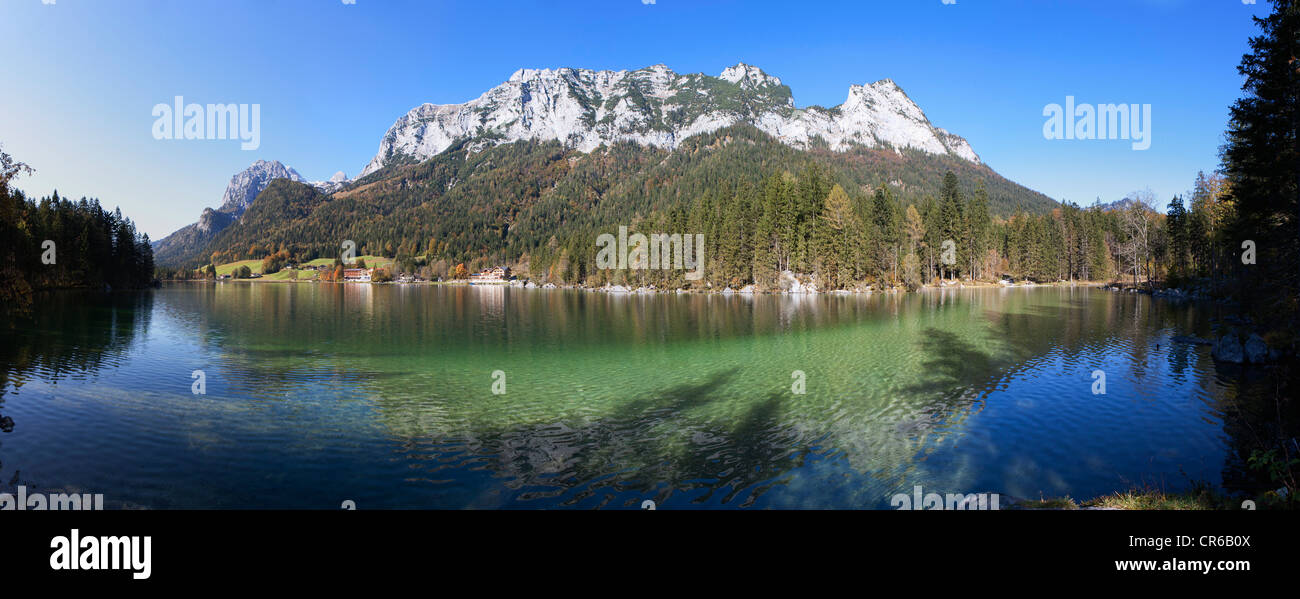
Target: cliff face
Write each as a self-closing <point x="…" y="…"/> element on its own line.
<point x="657" y="107"/>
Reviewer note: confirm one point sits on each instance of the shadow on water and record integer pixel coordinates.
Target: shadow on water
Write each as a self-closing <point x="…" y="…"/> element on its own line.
<point x="672" y="445"/>
<point x="401" y="355"/>
<point x="68" y="336"/>
<point x="658" y="445"/>
<point x="953" y="364"/>
<point x="1124" y="335"/>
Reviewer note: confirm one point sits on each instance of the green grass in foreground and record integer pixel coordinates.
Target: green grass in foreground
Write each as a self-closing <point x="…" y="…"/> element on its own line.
<point x="1054" y="503"/>
<point x="255" y="266"/>
<point x="1201" y="497"/>
<point x="229" y="268"/>
<point x="291" y="275"/>
<point x="371" y="261"/>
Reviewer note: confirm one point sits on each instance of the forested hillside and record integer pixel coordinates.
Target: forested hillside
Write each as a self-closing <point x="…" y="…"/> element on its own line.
<point x="58" y="243"/>
<point x="516" y="200"/>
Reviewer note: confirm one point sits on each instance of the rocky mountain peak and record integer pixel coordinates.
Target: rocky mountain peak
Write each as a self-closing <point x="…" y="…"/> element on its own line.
<point x="655" y="106"/>
<point x="748" y="75"/>
<point x="246" y="184"/>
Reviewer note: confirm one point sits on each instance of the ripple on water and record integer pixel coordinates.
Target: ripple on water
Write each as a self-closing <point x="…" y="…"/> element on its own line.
<point x="385" y="395"/>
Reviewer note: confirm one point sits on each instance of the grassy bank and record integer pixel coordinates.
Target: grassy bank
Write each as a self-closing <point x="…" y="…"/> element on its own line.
<point x="1200" y="497"/>
<point x="306" y="273"/>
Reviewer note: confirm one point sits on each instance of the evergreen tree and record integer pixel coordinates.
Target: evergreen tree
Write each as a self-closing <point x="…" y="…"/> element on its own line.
<point x="978" y="223"/>
<point x="886" y="234"/>
<point x="951" y="222"/>
<point x="1177" y="226"/>
<point x="839" y="231"/>
<point x="931" y="217"/>
<point x="1261" y="159"/>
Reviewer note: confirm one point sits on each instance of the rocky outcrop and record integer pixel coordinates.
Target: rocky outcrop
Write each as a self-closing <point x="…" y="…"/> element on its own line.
<point x="240" y="193"/>
<point x="246" y="184"/>
<point x="1232" y="350"/>
<point x="1228" y="349"/>
<point x="1255" y="350"/>
<point x="657" y="107"/>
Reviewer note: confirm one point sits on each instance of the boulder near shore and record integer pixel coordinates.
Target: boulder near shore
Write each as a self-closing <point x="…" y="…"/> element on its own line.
<point x="1231" y="349"/>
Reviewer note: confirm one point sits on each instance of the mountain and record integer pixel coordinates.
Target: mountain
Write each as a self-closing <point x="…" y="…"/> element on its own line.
<point x="552" y="156"/>
<point x="518" y="199"/>
<point x="240" y="193"/>
<point x="334" y="183"/>
<point x="246" y="184"/>
<point x="1120" y="204"/>
<point x="657" y="107"/>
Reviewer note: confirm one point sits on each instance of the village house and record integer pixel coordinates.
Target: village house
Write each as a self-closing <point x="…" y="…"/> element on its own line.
<point x="356" y="274"/>
<point x="498" y="274"/>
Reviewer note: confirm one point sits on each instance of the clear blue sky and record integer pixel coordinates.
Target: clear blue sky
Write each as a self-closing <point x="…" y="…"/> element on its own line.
<point x="81" y="77"/>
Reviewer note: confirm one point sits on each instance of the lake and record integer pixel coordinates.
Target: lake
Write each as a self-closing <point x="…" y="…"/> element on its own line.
<point x="440" y="396"/>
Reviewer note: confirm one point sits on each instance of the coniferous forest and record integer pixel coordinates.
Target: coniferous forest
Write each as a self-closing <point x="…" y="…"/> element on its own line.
<point x="58" y="243"/>
<point x="875" y="218"/>
<point x="762" y="207"/>
<point x="878" y="318"/>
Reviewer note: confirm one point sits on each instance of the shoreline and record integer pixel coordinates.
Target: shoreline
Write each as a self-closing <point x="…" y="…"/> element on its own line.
<point x="621" y="289"/>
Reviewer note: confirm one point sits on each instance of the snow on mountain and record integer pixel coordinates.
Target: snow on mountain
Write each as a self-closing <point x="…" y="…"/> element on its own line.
<point x="246" y="184"/>
<point x="334" y="183"/>
<point x="239" y="195"/>
<point x="751" y="76"/>
<point x="585" y="109"/>
<point x="656" y="107"/>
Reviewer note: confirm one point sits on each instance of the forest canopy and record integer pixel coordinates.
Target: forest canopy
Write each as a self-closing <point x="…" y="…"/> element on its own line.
<point x="55" y="243"/>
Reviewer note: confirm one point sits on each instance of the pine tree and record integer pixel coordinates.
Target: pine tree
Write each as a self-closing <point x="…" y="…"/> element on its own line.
<point x="1261" y="158"/>
<point x="838" y="229"/>
<point x="951" y="221"/>
<point x="886" y="233"/>
<point x="977" y="227"/>
<point x="930" y="216"/>
<point x="1176" y="224"/>
<point x="914" y="226"/>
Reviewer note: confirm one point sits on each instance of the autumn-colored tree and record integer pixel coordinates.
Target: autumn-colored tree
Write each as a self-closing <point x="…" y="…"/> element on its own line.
<point x="839" y="235"/>
<point x="274" y="262"/>
<point x="914" y="227"/>
<point x="911" y="271"/>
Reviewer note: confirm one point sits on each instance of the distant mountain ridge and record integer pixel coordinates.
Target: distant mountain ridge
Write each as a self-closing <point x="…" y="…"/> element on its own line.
<point x="582" y="110"/>
<point x="246" y="184"/>
<point x="657" y="107"/>
<point x="243" y="189"/>
<point x="1120" y="204"/>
